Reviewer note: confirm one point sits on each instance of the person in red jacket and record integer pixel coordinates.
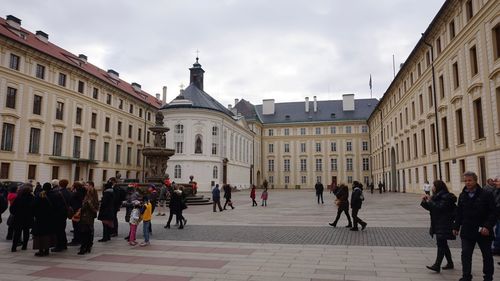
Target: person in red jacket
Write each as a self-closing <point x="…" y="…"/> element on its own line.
<point x="252" y="195"/>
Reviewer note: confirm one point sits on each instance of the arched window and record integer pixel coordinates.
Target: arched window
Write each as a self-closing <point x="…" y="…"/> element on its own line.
<point x="215" y="172"/>
<point x="177" y="172"/>
<point x="198" y="146"/>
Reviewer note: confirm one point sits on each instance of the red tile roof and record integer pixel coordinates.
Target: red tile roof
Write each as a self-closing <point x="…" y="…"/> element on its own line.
<point x="58" y="53"/>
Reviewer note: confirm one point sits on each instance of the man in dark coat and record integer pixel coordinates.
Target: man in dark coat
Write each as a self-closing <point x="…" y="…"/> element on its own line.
<point x="319" y="191"/>
<point x="356" y="202"/>
<point x="75" y="203"/>
<point x="227" y="196"/>
<point x="475" y="218"/>
<point x="119" y="195"/>
<point x="22" y="210"/>
<point x="342" y="202"/>
<point x="60" y="197"/>
<point x="106" y="213"/>
<point x="496" y="195"/>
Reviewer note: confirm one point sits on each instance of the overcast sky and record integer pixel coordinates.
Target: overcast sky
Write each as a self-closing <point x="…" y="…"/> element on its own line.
<point x="251" y="49"/>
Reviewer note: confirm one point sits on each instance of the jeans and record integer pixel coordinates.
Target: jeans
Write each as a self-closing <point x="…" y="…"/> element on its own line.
<point x="443" y="250"/>
<point x="339" y="212"/>
<point x="496" y="242"/>
<point x="217" y="203"/>
<point x="145" y="230"/>
<point x="467" y="250"/>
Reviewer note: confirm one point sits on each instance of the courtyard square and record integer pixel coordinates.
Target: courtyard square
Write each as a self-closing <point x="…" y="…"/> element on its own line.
<point x="288" y="240"/>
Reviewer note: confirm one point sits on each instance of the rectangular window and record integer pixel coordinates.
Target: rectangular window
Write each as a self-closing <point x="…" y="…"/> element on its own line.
<point x="318" y="147"/>
<point x="11" y="98"/>
<point x="271" y="148"/>
<point x="461" y="164"/>
<point x="78" y="119"/>
<point x="365" y="146"/>
<point x="108" y="99"/>
<point x="428" y="58"/>
<point x="270" y="132"/>
<point x="421" y="103"/>
<point x="419" y="69"/>
<point x="451" y="27"/>
<point x="459" y="126"/>
<point x="413" y="110"/>
<point x="444" y="126"/>
<point x="474" y="68"/>
<point x="148" y="136"/>
<point x="149" y="116"/>
<point x="348" y="129"/>
<point x="408" y="156"/>
<point x="303" y="165"/>
<point x="303" y="147"/>
<point x="59" y="110"/>
<point x="214" y="149"/>
<point x="130" y="131"/>
<point x="441" y="87"/>
<point x="333" y="164"/>
<point x="287" y="147"/>
<point x="106" y="124"/>
<point x="302" y="131"/>
<point x="496" y="41"/>
<point x="270" y="165"/>
<point x="120" y="104"/>
<point x="138" y="157"/>
<point x="131" y="109"/>
<point x="422" y="140"/>
<point x="349" y="146"/>
<point x="37" y="104"/>
<point x="333" y="130"/>
<point x="77" y="141"/>
<point x="431" y="99"/>
<point x="498" y="103"/>
<point x="438" y="45"/>
<point x="93" y="120"/>
<point x="92" y="149"/>
<point x="81" y="86"/>
<point x="287" y="179"/>
<point x="349" y="164"/>
<point x="55" y="172"/>
<point x="447" y="172"/>
<point x="34" y="141"/>
<point x="456" y="77"/>
<point x="425" y="174"/>
<point x="178" y="147"/>
<point x="433" y="138"/>
<point x="469" y="11"/>
<point x="4" y="170"/>
<point x="287" y="132"/>
<point x="118" y="154"/>
<point x="14" y="62"/>
<point x="415" y="146"/>
<point x="416" y="175"/>
<point x="40" y="71"/>
<point x="478" y="119"/>
<point x="57" y="145"/>
<point x="139" y="134"/>
<point x="364" y="129"/>
<point x="333" y="146"/>
<point x="104" y="175"/>
<point x="140" y="112"/>
<point x="95" y="93"/>
<point x="119" y="128"/>
<point x="366" y="164"/>
<point x="286" y="165"/>
<point x="129" y="155"/>
<point x="62" y="80"/>
<point x="303" y="179"/>
<point x="7" y="137"/>
<point x="105" y="154"/>
<point x="319" y="165"/>
<point x="318" y="131"/>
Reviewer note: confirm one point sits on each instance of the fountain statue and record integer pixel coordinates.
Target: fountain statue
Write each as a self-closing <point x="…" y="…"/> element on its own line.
<point x="158" y="155"/>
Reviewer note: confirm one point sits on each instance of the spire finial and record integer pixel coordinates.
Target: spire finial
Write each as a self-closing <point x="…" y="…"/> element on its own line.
<point x="197" y="55"/>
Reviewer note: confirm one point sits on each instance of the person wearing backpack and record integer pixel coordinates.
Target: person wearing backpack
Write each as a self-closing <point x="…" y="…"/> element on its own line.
<point x="357" y="199"/>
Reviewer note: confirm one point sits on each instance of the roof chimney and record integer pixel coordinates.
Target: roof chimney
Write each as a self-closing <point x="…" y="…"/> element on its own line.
<point x="348" y="102"/>
<point x="164" y="95"/>
<point x="236" y="101"/>
<point x="230" y="107"/>
<point x="268" y="107"/>
<point x="13" y="22"/>
<point x="113" y="74"/>
<point x="157" y="96"/>
<point x="136" y="86"/>
<point x="315" y="104"/>
<point x="83" y="58"/>
<point x="42" y="36"/>
<point x="307" y="104"/>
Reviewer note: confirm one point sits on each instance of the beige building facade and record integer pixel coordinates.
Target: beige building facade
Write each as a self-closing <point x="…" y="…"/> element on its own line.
<point x="440" y="115"/>
<point x="62" y="117"/>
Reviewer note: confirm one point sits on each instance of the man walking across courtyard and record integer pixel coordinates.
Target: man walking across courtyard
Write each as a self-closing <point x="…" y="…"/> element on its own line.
<point x="475" y="218"/>
<point x="319" y="191"/>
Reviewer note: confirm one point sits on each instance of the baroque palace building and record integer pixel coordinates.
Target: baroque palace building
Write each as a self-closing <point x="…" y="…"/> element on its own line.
<point x="441" y="114"/>
<point x="62" y="117"/>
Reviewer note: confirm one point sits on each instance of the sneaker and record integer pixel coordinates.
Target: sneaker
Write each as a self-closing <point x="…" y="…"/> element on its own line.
<point x="364" y="226"/>
<point x="144" y="244"/>
<point x="132" y="243"/>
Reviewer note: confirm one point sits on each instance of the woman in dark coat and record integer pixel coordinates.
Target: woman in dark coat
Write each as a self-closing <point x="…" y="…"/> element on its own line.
<point x="88" y="213"/>
<point x="176" y="206"/>
<point x="106" y="213"/>
<point x="22" y="211"/>
<point x="227" y="196"/>
<point x="342" y="202"/>
<point x="442" y="209"/>
<point x="43" y="227"/>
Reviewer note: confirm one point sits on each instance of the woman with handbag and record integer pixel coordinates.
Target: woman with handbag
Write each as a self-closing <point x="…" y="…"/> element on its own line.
<point x="442" y="207"/>
<point x="342" y="202"/>
<point x="86" y="216"/>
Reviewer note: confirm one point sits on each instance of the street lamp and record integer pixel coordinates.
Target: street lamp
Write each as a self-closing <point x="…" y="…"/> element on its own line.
<point x="435" y="105"/>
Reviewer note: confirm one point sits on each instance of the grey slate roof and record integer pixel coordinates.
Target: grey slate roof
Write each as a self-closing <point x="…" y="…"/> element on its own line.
<point x="296" y="111"/>
<point x="199" y="99"/>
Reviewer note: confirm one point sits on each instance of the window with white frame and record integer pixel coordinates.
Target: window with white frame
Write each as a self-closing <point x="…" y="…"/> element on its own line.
<point x="333" y="164"/>
<point x="366" y="164"/>
<point x="318" y="131"/>
<point x="303" y="165"/>
<point x="303" y="179"/>
<point x="318" y="178"/>
<point x="364" y="129"/>
<point x="302" y="131"/>
<point x="271" y="148"/>
<point x="303" y="147"/>
<point x="286" y="165"/>
<point x="348" y="129"/>
<point x="215" y="131"/>
<point x="349" y="164"/>
<point x="333" y="146"/>
<point x="319" y="165"/>
<point x="287" y="132"/>
<point x="215" y="172"/>
<point x="365" y="145"/>
<point x="271" y="179"/>
<point x="270" y="132"/>
<point x="177" y="171"/>
<point x="179" y="129"/>
<point x="178" y="147"/>
<point x="349" y="179"/>
<point x="349" y="146"/>
<point x="270" y="165"/>
<point x="333" y="130"/>
<point x="214" y="149"/>
<point x="318" y="147"/>
<point x="287" y="147"/>
<point x="287" y="179"/>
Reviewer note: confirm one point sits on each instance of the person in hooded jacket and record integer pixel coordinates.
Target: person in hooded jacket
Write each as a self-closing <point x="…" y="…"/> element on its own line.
<point x="356" y="202"/>
<point x="22" y="210"/>
<point x="44" y="225"/>
<point x="88" y="213"/>
<point x="442" y="208"/>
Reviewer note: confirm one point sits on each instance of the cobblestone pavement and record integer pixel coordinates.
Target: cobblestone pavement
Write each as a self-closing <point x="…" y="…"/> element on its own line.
<point x="288" y="240"/>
